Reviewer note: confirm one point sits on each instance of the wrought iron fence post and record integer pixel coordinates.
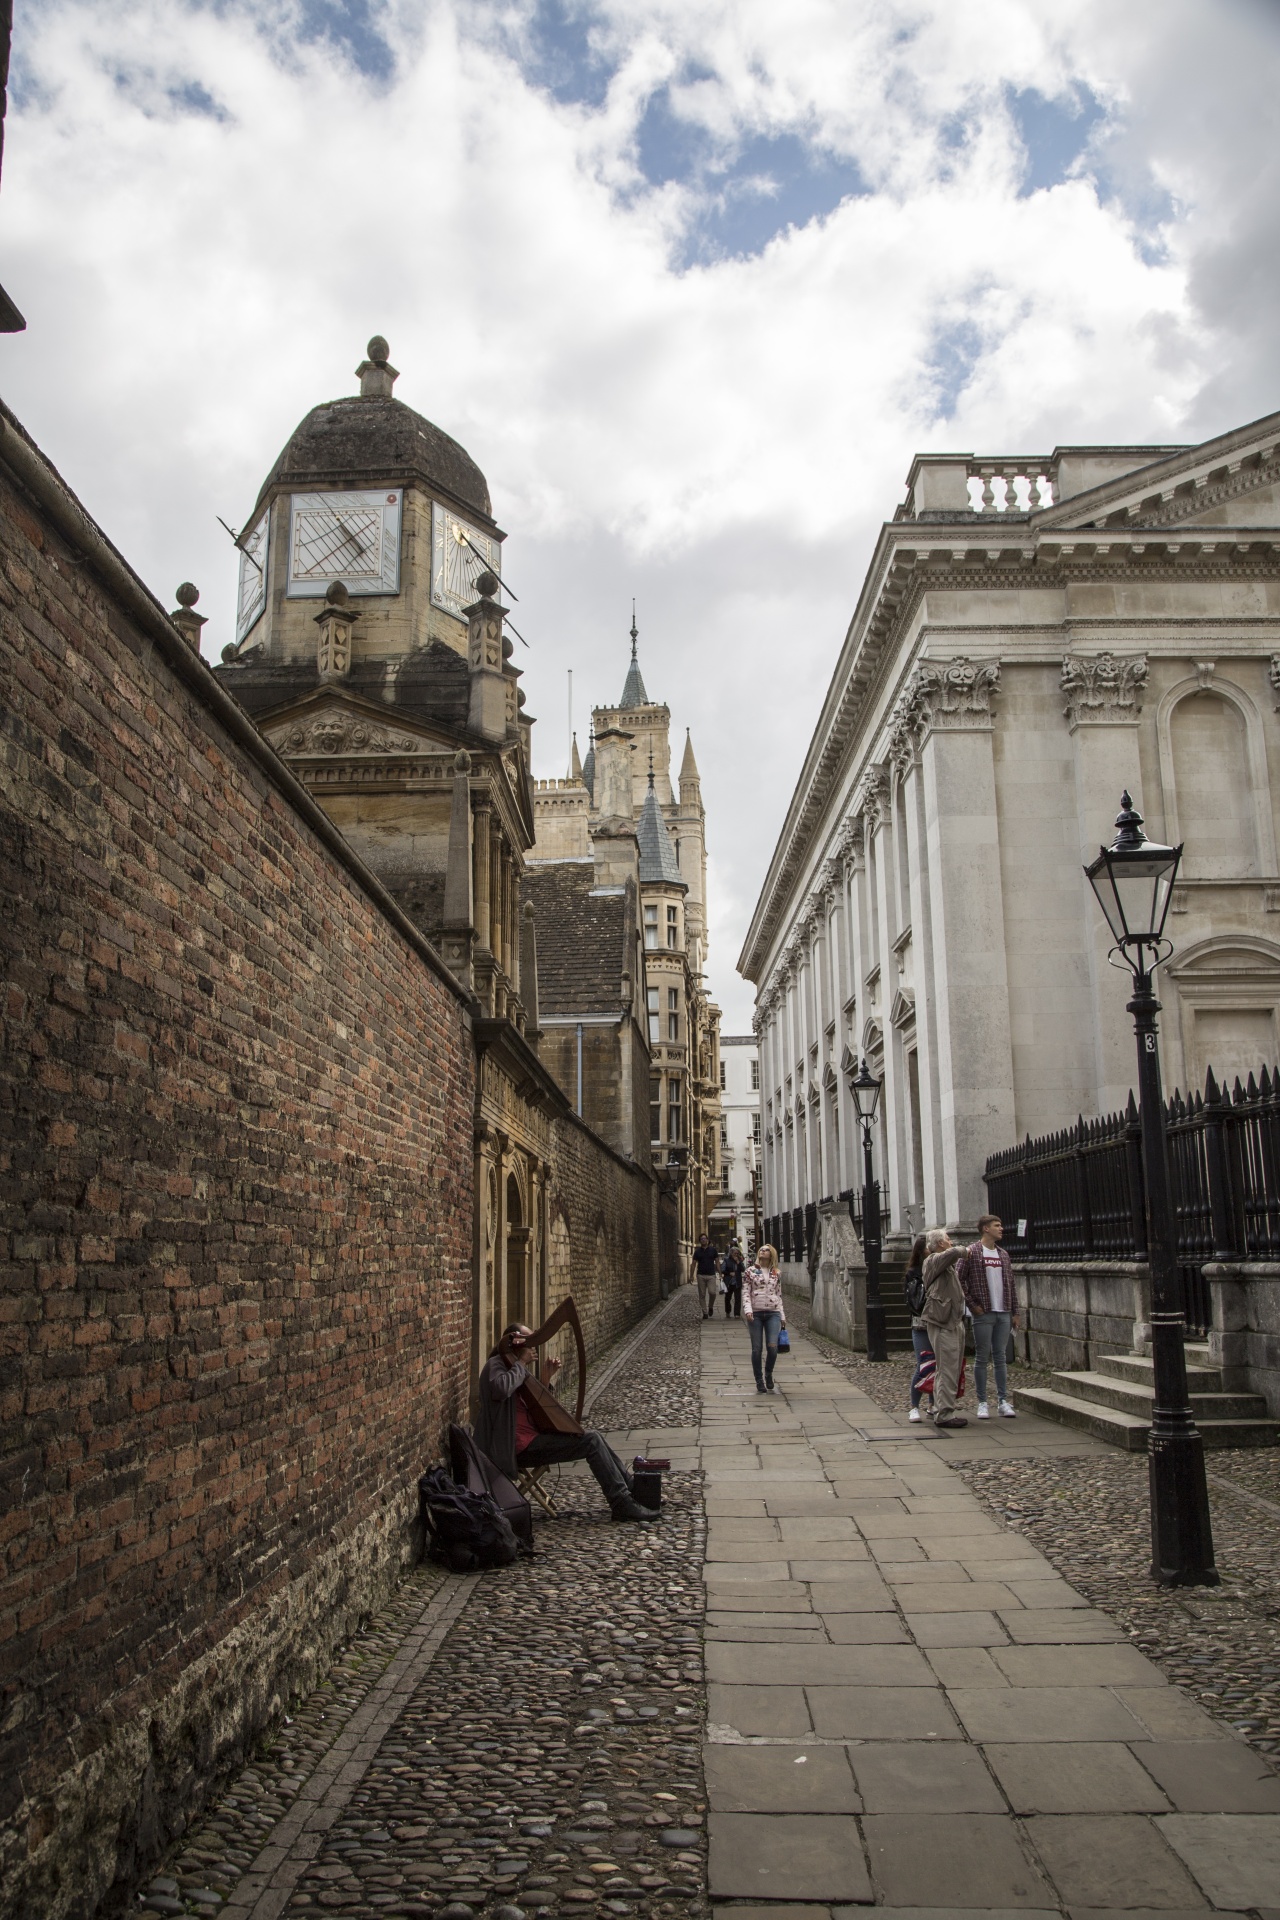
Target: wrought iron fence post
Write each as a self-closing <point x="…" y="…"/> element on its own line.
<point x="1221" y="1211"/>
<point x="1082" y="1188"/>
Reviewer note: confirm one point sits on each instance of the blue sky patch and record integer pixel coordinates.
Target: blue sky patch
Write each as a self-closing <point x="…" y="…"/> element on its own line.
<point x="954" y="353"/>
<point x="1054" y="133"/>
<point x="563" y="58"/>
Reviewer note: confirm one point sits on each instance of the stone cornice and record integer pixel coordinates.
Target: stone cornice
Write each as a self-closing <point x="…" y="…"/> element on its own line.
<point x="911" y="559"/>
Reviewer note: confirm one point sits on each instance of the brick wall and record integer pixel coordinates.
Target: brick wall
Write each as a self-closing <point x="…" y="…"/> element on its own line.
<point x="235" y="1222"/>
<point x="609" y="1206"/>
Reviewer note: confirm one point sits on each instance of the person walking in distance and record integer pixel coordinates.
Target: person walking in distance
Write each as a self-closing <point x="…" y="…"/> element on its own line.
<point x="986" y="1275"/>
<point x="922" y="1379"/>
<point x="943" y="1316"/>
<point x="705" y="1272"/>
<point x="763" y="1311"/>
<point x="734" y="1268"/>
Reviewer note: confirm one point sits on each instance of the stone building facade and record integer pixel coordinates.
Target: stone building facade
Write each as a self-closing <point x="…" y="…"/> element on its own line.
<point x="1033" y="636"/>
<point x="643" y="1044"/>
<point x="237" y="1132"/>
<point x="371" y="652"/>
<point x="741" y="1140"/>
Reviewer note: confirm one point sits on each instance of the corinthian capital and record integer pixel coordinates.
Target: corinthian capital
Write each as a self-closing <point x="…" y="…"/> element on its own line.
<point x="952" y="695"/>
<point x="1102" y="690"/>
<point x="871" y="799"/>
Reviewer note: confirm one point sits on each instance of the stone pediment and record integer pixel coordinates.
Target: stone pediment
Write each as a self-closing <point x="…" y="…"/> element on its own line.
<point x="1230" y="481"/>
<point x="330" y="727"/>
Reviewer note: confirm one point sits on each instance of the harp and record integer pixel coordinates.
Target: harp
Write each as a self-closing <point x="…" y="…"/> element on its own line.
<point x="565" y="1315"/>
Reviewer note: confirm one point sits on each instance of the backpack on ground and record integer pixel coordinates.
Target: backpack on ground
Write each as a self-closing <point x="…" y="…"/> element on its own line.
<point x="916" y="1292"/>
<point x="463" y="1529"/>
<point x="473" y="1469"/>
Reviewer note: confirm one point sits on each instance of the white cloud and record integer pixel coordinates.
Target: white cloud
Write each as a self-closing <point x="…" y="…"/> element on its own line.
<point x="205" y="214"/>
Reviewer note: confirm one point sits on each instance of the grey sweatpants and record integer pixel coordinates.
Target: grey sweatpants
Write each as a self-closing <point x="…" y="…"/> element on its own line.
<point x="948" y="1352"/>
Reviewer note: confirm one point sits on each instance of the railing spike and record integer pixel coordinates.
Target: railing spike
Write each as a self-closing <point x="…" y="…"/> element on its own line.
<point x="1210" y="1087"/>
<point x="1252" y="1088"/>
<point x="1237" y="1093"/>
<point x="1264" y="1085"/>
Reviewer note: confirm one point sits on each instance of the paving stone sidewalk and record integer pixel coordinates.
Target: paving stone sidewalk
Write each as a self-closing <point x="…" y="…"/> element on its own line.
<point x="908" y="1706"/>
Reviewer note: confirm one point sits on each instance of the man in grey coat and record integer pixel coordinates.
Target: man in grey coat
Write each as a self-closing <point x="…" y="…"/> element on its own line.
<point x="520" y="1423"/>
<point x="943" y="1317"/>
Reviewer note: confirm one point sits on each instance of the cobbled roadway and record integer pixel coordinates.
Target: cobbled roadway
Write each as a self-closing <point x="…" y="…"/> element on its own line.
<point x="550" y="1760"/>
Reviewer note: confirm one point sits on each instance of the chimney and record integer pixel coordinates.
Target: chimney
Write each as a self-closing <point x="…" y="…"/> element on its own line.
<point x="529" y="973"/>
<point x="185" y="618"/>
<point x="612" y="790"/>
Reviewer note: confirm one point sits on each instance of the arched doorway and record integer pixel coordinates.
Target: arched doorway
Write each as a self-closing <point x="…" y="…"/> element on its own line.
<point x="518" y="1238"/>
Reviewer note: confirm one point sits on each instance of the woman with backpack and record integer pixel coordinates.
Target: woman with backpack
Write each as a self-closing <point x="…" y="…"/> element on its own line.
<point x="764" y="1313"/>
<point x="923" y="1377"/>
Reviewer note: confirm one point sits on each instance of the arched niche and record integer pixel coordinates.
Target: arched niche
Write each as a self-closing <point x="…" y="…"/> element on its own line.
<point x="1213" y="776"/>
<point x="1228" y="1009"/>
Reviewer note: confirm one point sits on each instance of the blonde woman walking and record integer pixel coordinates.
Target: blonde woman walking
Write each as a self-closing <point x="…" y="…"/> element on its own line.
<point x="763" y="1311"/>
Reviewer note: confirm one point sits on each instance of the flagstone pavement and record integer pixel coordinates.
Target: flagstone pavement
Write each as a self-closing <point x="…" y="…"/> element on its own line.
<point x="908" y="1706"/>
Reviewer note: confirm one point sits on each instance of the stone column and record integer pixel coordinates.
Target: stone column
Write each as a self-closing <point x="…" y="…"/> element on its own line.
<point x="1103" y="705"/>
<point x="975" y="1052"/>
<point x="482" y="842"/>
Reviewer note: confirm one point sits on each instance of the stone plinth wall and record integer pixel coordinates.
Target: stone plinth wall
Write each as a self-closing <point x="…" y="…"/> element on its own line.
<point x="1077" y="1310"/>
<point x="1245" y="1337"/>
<point x="236" y="1109"/>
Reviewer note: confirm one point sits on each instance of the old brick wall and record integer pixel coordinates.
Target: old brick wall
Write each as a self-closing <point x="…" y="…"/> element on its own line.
<point x="609" y="1206"/>
<point x="235" y="1179"/>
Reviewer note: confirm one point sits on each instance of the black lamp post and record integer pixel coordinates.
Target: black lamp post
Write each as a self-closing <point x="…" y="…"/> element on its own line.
<point x="865" y="1089"/>
<point x="1133" y="879"/>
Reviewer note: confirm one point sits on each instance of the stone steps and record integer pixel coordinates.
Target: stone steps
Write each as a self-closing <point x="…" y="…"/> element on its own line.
<point x="1114" y="1401"/>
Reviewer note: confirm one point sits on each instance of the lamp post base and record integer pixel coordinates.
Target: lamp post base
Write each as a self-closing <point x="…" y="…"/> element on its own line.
<point x="877" y="1336"/>
<point x="1181" y="1534"/>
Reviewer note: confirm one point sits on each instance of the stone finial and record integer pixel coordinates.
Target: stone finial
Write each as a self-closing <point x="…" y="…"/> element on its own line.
<point x="486" y="584"/>
<point x="334" y="623"/>
<point x="185" y="618"/>
<point x="376" y="374"/>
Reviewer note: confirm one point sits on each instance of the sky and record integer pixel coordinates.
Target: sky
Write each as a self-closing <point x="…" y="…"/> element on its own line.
<point x="692" y="280"/>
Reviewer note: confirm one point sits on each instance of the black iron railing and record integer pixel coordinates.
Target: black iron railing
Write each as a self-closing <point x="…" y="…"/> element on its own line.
<point x="1079" y="1194"/>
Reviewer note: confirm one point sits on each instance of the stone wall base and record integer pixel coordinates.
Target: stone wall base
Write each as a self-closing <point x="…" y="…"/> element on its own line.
<point x="149" y="1768"/>
<point x="1077" y="1310"/>
<point x="1245" y="1337"/>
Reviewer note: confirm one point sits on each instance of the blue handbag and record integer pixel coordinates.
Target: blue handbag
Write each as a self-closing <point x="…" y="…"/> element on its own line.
<point x="784" y="1341"/>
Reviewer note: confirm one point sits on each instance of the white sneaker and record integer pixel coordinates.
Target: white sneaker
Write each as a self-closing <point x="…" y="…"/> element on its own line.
<point x="914" y="1414"/>
<point x="984" y="1411"/>
<point x="1008" y="1409"/>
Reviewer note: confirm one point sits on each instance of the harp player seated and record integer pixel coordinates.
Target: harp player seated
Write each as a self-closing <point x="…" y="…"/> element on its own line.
<point x="520" y="1424"/>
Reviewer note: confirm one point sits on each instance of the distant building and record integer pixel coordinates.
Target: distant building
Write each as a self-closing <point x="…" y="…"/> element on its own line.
<point x="617" y="831"/>
<point x="740" y="1139"/>
<point x="1033" y="636"/>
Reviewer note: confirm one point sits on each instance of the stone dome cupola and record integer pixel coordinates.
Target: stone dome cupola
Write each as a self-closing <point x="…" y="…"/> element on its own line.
<point x="371" y="437"/>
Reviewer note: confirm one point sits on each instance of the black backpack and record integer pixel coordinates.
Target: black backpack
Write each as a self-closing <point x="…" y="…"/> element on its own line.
<point x="915" y="1291"/>
<point x="466" y="1530"/>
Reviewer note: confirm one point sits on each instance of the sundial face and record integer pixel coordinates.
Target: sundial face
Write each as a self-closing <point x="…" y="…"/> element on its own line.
<point x="352" y="537"/>
<point x="252" y="596"/>
<point x="459" y="551"/>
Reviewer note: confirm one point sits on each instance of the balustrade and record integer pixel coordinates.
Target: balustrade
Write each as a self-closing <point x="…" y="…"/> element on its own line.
<point x="1012" y="485"/>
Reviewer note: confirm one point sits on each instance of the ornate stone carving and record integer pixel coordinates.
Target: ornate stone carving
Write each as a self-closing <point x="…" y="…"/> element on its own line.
<point x="852" y="845"/>
<point x="829" y="882"/>
<point x="903" y="737"/>
<point x="1275" y="678"/>
<point x="1102" y="690"/>
<point x="337" y="732"/>
<point x="951" y="695"/>
<point x="871" y="799"/>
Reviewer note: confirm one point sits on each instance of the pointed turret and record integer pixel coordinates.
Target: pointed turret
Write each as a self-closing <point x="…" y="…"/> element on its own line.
<point x="657" y="855"/>
<point x="633" y="693"/>
<point x="589" y="764"/>
<point x="689" y="775"/>
<point x="575" y="764"/>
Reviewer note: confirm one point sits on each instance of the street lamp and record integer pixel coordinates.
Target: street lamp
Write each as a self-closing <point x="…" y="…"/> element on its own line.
<point x="865" y="1088"/>
<point x="1133" y="879"/>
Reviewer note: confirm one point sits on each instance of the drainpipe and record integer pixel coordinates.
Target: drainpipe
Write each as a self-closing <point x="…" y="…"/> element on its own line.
<point x="579" y="1069"/>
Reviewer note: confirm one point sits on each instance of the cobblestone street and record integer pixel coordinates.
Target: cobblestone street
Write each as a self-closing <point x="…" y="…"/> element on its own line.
<point x="885" y="1625"/>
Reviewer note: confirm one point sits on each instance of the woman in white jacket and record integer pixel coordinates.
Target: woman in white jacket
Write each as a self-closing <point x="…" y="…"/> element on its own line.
<point x="764" y="1313"/>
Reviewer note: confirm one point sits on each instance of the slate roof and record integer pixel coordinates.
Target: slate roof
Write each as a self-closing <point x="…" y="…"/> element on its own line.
<point x="633" y="693"/>
<point x="431" y="684"/>
<point x="657" y="855"/>
<point x="364" y="440"/>
<point x="583" y="939"/>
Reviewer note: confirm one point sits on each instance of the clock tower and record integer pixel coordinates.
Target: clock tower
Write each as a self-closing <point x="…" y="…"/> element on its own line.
<point x="369" y="495"/>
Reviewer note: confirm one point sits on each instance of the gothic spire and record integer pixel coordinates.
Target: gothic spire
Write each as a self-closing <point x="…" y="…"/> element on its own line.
<point x="633" y="693"/>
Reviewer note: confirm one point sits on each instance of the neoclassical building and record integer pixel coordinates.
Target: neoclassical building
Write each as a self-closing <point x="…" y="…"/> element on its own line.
<point x="1033" y="636"/>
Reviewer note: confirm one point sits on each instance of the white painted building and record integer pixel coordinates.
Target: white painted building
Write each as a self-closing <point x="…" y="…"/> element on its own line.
<point x="739" y="1138"/>
<point x="1033" y="636"/>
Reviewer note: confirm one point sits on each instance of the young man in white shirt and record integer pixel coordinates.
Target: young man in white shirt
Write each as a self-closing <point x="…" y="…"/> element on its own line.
<point x="991" y="1294"/>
